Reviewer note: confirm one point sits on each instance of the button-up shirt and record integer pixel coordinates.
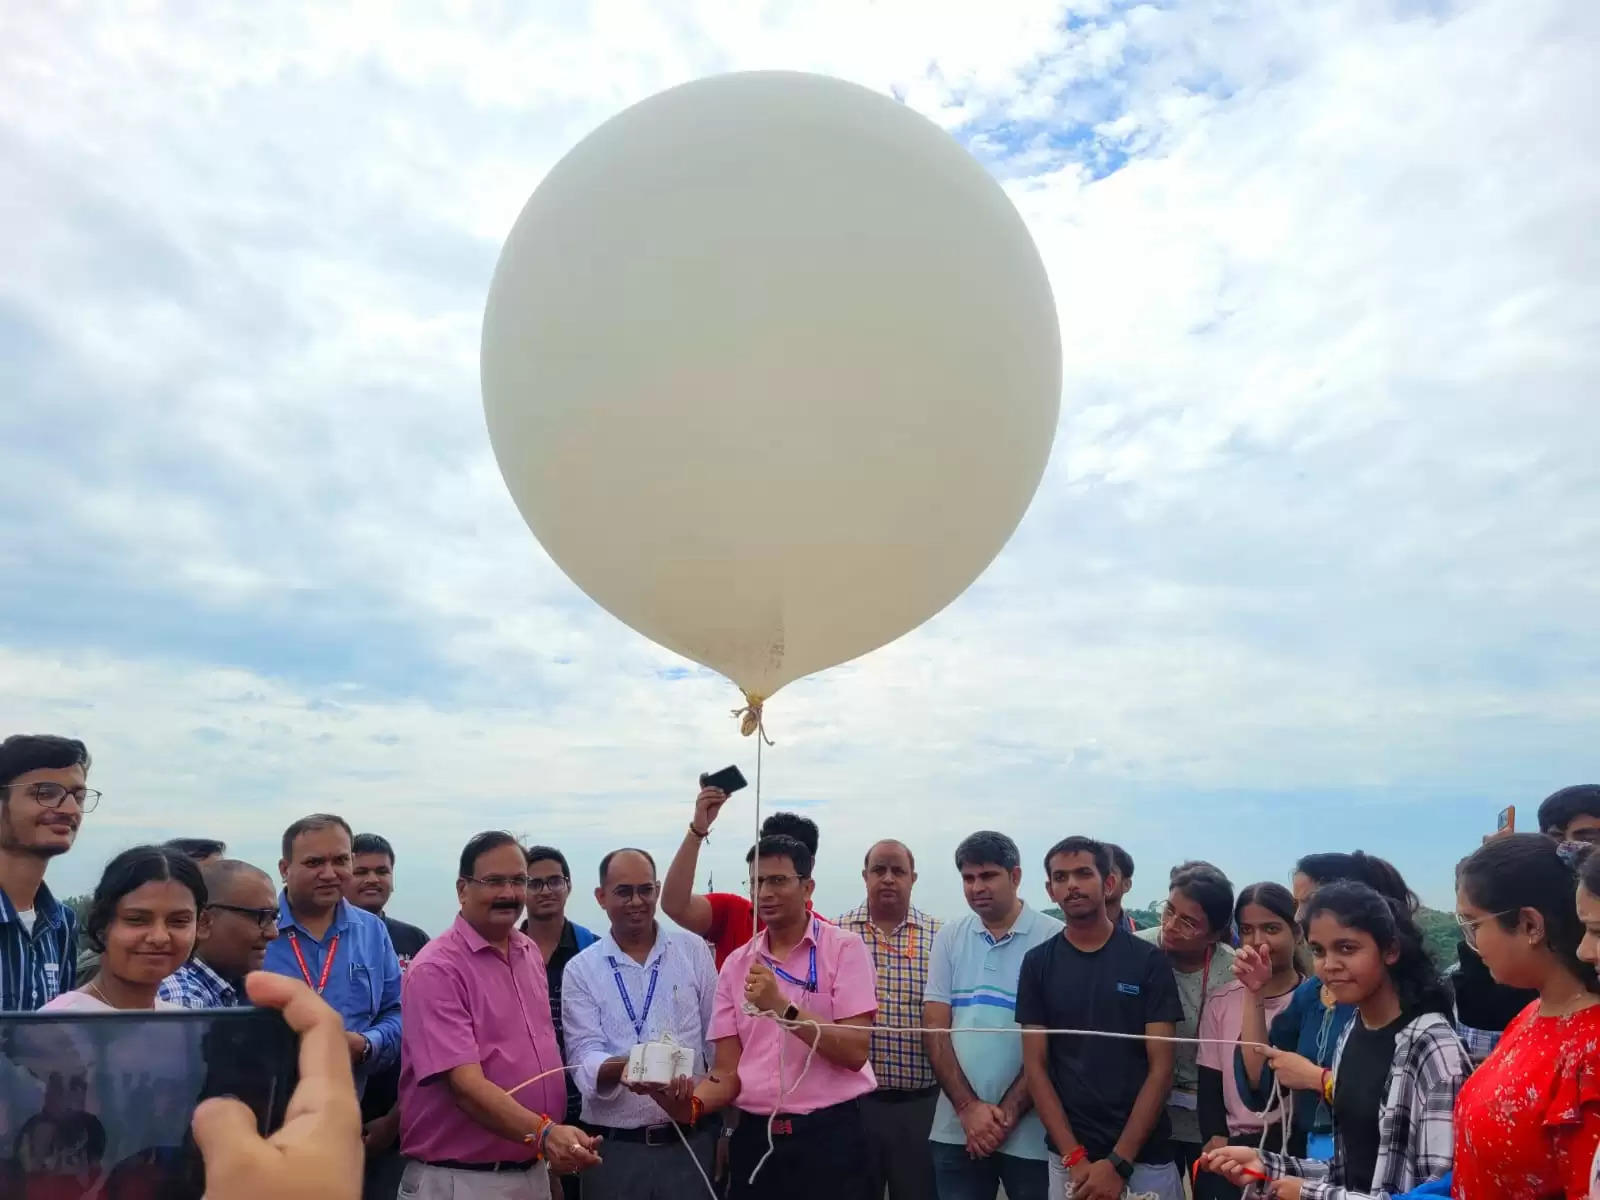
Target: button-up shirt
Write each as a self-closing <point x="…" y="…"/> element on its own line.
<point x="847" y="986"/>
<point x="671" y="994"/>
<point x="465" y="1004"/>
<point x="901" y="959"/>
<point x="363" y="980"/>
<point x="196" y="985"/>
<point x="36" y="966"/>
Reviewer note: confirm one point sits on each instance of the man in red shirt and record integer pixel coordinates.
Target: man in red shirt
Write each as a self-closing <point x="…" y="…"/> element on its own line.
<point x="723" y="918"/>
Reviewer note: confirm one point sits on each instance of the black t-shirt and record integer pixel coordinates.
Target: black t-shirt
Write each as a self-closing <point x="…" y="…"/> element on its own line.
<point x="1362" y="1083"/>
<point x="1119" y="988"/>
<point x="383" y="1088"/>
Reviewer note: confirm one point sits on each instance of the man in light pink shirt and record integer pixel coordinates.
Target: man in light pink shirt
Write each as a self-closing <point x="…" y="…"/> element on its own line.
<point x="476" y="1026"/>
<point x="799" y="969"/>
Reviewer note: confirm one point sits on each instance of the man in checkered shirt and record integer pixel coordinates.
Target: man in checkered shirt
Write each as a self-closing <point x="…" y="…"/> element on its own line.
<point x="899" y="1115"/>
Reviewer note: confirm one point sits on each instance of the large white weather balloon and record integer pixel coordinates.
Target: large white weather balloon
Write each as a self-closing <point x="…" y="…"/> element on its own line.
<point x="772" y="368"/>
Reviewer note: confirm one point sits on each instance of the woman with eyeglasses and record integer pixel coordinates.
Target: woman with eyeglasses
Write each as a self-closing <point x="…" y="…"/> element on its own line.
<point x="1314" y="1021"/>
<point x="1195" y="931"/>
<point x="142" y="920"/>
<point x="1396" y="1072"/>
<point x="1267" y="971"/>
<point x="1528" y="1121"/>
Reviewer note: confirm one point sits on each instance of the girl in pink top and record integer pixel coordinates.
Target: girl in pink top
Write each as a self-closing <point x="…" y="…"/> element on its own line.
<point x="1266" y="974"/>
<point x="142" y="919"/>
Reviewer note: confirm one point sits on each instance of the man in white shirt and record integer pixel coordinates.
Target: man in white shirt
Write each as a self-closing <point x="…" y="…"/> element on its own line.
<point x="640" y="983"/>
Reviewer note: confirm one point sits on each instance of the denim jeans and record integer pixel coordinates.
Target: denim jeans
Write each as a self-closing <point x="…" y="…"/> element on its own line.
<point x="958" y="1176"/>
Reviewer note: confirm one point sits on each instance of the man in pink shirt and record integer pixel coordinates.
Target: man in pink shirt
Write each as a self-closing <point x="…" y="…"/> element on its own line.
<point x="477" y="1025"/>
<point x="799" y="969"/>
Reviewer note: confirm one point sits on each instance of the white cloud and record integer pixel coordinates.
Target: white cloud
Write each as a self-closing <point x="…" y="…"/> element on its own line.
<point x="1320" y="521"/>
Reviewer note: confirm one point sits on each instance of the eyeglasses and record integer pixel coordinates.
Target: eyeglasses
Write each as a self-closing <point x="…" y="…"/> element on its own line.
<point x="1181" y="924"/>
<point x="50" y="795"/>
<point x="496" y="882"/>
<point x="777" y="882"/>
<point x="551" y="883"/>
<point x="263" y="917"/>
<point x="627" y="891"/>
<point x="1469" y="928"/>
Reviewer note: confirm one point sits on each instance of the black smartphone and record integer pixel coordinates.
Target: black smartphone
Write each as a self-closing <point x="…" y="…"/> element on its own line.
<point x="729" y="779"/>
<point x="96" y="1097"/>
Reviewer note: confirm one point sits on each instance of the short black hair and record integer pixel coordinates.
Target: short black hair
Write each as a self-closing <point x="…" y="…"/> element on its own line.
<point x="1122" y="860"/>
<point x="1558" y="808"/>
<point x="372" y="843"/>
<point x="198" y="847"/>
<point x="788" y="824"/>
<point x="1081" y="845"/>
<point x="130" y="870"/>
<point x="481" y="844"/>
<point x="1190" y="865"/>
<point x="24" y="752"/>
<point x="605" y="863"/>
<point x="311" y="824"/>
<point x="986" y="847"/>
<point x="780" y="845"/>
<point x="1211" y="890"/>
<point x="541" y="853"/>
<point x="867" y="857"/>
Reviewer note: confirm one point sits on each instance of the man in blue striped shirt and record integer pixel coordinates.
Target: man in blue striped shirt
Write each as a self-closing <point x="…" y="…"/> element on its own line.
<point x="43" y="799"/>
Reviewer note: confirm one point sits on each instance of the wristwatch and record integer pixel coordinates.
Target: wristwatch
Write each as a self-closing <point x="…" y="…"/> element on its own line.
<point x="1123" y="1167"/>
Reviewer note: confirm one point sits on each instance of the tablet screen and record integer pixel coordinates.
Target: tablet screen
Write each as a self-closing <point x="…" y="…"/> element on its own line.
<point x="96" y="1106"/>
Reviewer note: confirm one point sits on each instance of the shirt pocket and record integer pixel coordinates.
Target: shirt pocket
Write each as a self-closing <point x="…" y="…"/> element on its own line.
<point x="364" y="985"/>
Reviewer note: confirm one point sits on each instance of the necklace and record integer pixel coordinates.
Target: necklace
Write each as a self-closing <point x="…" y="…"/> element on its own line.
<point x="94" y="986"/>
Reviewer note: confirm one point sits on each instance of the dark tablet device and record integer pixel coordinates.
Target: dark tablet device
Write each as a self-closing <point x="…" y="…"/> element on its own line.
<point x="103" y="1100"/>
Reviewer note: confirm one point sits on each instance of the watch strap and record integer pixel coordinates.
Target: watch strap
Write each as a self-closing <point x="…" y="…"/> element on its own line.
<point x="1123" y="1167"/>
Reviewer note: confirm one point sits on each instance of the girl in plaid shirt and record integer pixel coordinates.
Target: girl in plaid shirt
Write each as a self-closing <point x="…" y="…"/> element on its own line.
<point x="1396" y="1072"/>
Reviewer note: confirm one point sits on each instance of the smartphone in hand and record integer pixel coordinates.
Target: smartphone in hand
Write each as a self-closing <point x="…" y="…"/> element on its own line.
<point x="729" y="779"/>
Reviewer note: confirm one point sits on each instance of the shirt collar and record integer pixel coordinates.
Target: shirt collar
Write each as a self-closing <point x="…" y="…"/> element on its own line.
<point x="46" y="908"/>
<point x="286" y="918"/>
<point x="609" y="948"/>
<point x="1022" y="926"/>
<point x="476" y="942"/>
<point x="213" y="980"/>
<point x="813" y="925"/>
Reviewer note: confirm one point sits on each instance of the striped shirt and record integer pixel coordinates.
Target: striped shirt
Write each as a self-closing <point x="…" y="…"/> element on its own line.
<point x="39" y="966"/>
<point x="196" y="985"/>
<point x="901" y="959"/>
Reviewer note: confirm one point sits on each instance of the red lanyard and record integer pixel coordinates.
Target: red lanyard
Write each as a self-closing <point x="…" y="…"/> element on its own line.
<point x="327" y="963"/>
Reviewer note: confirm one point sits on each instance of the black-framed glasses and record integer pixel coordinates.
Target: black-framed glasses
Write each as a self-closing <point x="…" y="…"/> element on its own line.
<point x="550" y="883"/>
<point x="496" y="882"/>
<point x="263" y="917"/>
<point x="50" y="795"/>
<point x="627" y="891"/>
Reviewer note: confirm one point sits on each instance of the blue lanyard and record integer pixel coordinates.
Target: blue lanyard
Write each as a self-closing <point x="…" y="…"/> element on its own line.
<point x="649" y="995"/>
<point x="810" y="981"/>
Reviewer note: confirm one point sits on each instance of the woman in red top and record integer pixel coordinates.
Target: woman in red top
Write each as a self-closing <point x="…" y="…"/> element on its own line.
<point x="1527" y="1122"/>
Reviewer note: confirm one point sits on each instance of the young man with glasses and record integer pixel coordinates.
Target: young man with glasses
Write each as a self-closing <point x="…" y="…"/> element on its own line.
<point x="238" y="923"/>
<point x="640" y="983"/>
<point x="43" y="800"/>
<point x="339" y="951"/>
<point x="559" y="941"/>
<point x="481" y="1100"/>
<point x="801" y="985"/>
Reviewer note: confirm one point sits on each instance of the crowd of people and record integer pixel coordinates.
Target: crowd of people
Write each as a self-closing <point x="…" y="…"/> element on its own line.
<point x="1297" y="1042"/>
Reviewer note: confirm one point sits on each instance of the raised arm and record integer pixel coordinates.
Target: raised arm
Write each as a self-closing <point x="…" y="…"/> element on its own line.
<point x="679" y="900"/>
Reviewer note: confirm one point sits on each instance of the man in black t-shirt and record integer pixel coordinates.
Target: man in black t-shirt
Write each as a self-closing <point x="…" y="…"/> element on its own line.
<point x="371" y="885"/>
<point x="1102" y="1100"/>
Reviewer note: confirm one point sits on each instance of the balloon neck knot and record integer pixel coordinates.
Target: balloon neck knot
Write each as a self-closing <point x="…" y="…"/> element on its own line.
<point x="750" y="718"/>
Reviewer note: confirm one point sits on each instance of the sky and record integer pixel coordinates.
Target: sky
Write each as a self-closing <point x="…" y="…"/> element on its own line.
<point x="1315" y="563"/>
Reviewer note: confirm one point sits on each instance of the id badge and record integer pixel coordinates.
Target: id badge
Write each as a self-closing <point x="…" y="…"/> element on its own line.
<point x="1319" y="1146"/>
